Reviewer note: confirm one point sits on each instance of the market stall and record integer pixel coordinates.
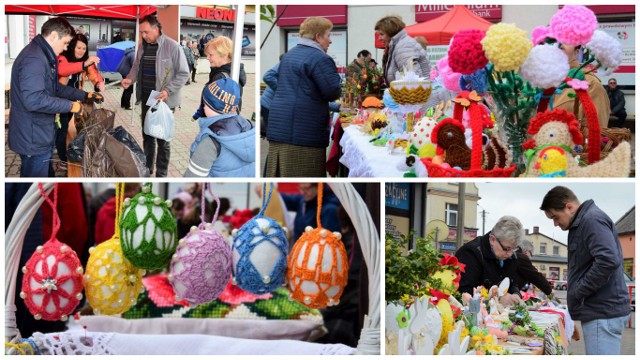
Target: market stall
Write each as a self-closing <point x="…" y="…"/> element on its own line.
<point x="488" y="109"/>
<point x="427" y="315"/>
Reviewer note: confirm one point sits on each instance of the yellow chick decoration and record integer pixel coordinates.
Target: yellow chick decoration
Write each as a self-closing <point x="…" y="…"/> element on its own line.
<point x="447" y="277"/>
<point x="552" y="162"/>
<point x="447" y="321"/>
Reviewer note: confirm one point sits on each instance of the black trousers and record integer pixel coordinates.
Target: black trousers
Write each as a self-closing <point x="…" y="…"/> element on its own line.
<point x="125" y="100"/>
<point x="151" y="144"/>
<point x="193" y="72"/>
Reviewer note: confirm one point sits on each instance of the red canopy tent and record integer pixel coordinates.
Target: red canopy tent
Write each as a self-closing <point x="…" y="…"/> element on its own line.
<point x="101" y="11"/>
<point x="440" y="30"/>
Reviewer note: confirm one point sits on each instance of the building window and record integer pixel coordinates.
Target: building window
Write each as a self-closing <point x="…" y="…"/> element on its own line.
<point x="543" y="248"/>
<point x="556" y="250"/>
<point x="451" y="214"/>
<point x="543" y="267"/>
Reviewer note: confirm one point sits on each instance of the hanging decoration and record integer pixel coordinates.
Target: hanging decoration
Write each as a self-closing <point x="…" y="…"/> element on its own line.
<point x="112" y="284"/>
<point x="52" y="282"/>
<point x="318" y="265"/>
<point x="149" y="230"/>
<point x="201" y="267"/>
<point x="260" y="249"/>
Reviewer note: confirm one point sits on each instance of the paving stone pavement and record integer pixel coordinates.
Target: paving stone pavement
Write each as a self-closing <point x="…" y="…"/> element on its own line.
<point x="186" y="129"/>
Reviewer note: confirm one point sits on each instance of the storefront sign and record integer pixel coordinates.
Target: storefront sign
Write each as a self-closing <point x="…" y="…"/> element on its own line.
<point x="624" y="32"/>
<point x="447" y="246"/>
<point x="215" y="14"/>
<point x="396" y="226"/>
<point x="294" y="15"/>
<point x="429" y="12"/>
<point x="468" y="234"/>
<point x="32" y="27"/>
<point x="397" y="196"/>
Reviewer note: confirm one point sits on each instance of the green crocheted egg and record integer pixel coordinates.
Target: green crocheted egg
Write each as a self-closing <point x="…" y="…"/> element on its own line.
<point x="148" y="231"/>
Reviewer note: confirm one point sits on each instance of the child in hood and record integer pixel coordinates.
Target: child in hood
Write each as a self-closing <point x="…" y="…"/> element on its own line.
<point x="225" y="145"/>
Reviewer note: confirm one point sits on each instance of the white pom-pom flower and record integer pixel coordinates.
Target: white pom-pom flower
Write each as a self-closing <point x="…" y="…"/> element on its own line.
<point x="546" y="66"/>
<point x="606" y="49"/>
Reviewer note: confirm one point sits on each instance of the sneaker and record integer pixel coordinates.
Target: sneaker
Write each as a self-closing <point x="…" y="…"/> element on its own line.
<point x="62" y="166"/>
<point x="193" y="81"/>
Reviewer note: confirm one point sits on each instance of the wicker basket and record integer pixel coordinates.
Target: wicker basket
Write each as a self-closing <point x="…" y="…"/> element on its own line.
<point x="614" y="136"/>
<point x="368" y="235"/>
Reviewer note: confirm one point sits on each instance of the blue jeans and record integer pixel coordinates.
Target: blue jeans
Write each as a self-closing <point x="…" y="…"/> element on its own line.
<point x="603" y="336"/>
<point x="36" y="165"/>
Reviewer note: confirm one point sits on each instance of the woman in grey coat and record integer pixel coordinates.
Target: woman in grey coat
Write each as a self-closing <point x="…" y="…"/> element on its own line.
<point x="401" y="49"/>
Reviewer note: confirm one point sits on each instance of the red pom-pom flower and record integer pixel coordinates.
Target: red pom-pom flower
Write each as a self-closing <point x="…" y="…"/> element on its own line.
<point x="466" y="55"/>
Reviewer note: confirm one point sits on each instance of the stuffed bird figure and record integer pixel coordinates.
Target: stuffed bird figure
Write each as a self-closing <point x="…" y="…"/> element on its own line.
<point x="557" y="128"/>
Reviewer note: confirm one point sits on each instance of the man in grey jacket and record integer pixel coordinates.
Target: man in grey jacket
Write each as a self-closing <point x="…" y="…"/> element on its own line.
<point x="160" y="65"/>
<point x="597" y="294"/>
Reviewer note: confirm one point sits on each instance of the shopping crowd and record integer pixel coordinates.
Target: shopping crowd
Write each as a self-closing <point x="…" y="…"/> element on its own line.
<point x="49" y="75"/>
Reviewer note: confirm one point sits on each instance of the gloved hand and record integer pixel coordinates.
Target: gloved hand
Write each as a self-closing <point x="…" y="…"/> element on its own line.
<point x="77" y="108"/>
<point x="199" y="113"/>
<point x="95" y="97"/>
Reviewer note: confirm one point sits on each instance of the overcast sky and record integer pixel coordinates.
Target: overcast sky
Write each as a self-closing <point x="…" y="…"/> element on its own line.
<point x="523" y="200"/>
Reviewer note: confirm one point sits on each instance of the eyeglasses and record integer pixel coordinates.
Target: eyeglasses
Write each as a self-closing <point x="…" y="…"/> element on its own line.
<point x="502" y="246"/>
<point x="612" y="83"/>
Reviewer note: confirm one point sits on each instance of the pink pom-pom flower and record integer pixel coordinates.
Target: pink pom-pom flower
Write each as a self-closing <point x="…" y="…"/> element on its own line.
<point x="540" y="34"/>
<point x="450" y="79"/>
<point x="466" y="55"/>
<point x="573" y="25"/>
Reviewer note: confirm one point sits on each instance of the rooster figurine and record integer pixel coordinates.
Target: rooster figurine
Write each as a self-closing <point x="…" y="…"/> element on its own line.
<point x="559" y="129"/>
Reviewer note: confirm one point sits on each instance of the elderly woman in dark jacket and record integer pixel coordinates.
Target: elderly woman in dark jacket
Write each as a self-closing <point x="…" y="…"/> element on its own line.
<point x="298" y="127"/>
<point x="401" y="49"/>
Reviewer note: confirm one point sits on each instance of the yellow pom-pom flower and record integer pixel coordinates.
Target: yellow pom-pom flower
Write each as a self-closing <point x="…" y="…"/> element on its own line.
<point x="506" y="46"/>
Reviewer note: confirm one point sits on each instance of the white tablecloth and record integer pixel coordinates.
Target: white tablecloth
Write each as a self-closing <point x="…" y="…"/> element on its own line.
<point x="365" y="160"/>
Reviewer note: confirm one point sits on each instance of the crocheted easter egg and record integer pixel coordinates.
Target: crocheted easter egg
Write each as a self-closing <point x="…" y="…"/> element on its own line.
<point x="260" y="249"/>
<point x="112" y="284"/>
<point x="421" y="134"/>
<point x="148" y="230"/>
<point x="52" y="282"/>
<point x="318" y="268"/>
<point x="201" y="266"/>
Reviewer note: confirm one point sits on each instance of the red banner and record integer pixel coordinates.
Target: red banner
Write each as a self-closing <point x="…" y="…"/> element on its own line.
<point x="294" y="15"/>
<point x="489" y="12"/>
<point x="32" y="27"/>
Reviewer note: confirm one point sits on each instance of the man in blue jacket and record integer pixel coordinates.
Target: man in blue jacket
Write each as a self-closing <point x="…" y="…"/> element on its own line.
<point x="306" y="207"/>
<point x="597" y="294"/>
<point x="37" y="96"/>
<point x="225" y="145"/>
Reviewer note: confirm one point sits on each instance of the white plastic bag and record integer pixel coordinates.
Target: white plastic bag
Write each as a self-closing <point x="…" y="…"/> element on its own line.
<point x="159" y="122"/>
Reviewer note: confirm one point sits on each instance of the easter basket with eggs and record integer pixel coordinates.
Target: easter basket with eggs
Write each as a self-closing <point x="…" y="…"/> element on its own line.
<point x="484" y="157"/>
<point x="145" y="237"/>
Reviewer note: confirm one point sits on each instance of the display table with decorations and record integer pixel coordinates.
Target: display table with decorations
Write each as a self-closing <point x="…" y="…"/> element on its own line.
<point x="427" y="315"/>
<point x="114" y="283"/>
<point x="364" y="159"/>
<point x="521" y="108"/>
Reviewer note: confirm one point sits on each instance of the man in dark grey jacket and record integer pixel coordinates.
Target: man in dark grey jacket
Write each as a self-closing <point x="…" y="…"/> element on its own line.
<point x="597" y="294"/>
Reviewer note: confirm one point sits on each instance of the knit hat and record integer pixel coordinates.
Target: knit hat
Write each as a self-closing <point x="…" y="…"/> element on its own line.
<point x="222" y="96"/>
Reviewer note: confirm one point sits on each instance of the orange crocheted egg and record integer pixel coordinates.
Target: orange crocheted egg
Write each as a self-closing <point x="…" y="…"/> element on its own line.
<point x="318" y="268"/>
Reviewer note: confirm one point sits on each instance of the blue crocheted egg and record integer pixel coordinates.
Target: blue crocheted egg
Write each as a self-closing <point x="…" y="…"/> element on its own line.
<point x="148" y="231"/>
<point x="260" y="249"/>
<point x="201" y="266"/>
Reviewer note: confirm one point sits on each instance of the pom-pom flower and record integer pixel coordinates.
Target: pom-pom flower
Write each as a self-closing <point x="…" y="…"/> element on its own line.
<point x="540" y="34"/>
<point x="476" y="81"/>
<point x="606" y="49"/>
<point x="506" y="46"/>
<point x="450" y="79"/>
<point x="545" y="67"/>
<point x="573" y="25"/>
<point x="466" y="55"/>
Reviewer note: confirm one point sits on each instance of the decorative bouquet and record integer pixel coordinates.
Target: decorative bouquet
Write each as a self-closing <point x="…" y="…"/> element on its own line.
<point x="357" y="86"/>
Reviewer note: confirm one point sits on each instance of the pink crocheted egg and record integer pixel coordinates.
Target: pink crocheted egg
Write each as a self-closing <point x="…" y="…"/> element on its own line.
<point x="201" y="267"/>
<point x="52" y="282"/>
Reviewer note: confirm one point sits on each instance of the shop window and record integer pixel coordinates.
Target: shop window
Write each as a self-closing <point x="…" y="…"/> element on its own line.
<point x="451" y="214"/>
